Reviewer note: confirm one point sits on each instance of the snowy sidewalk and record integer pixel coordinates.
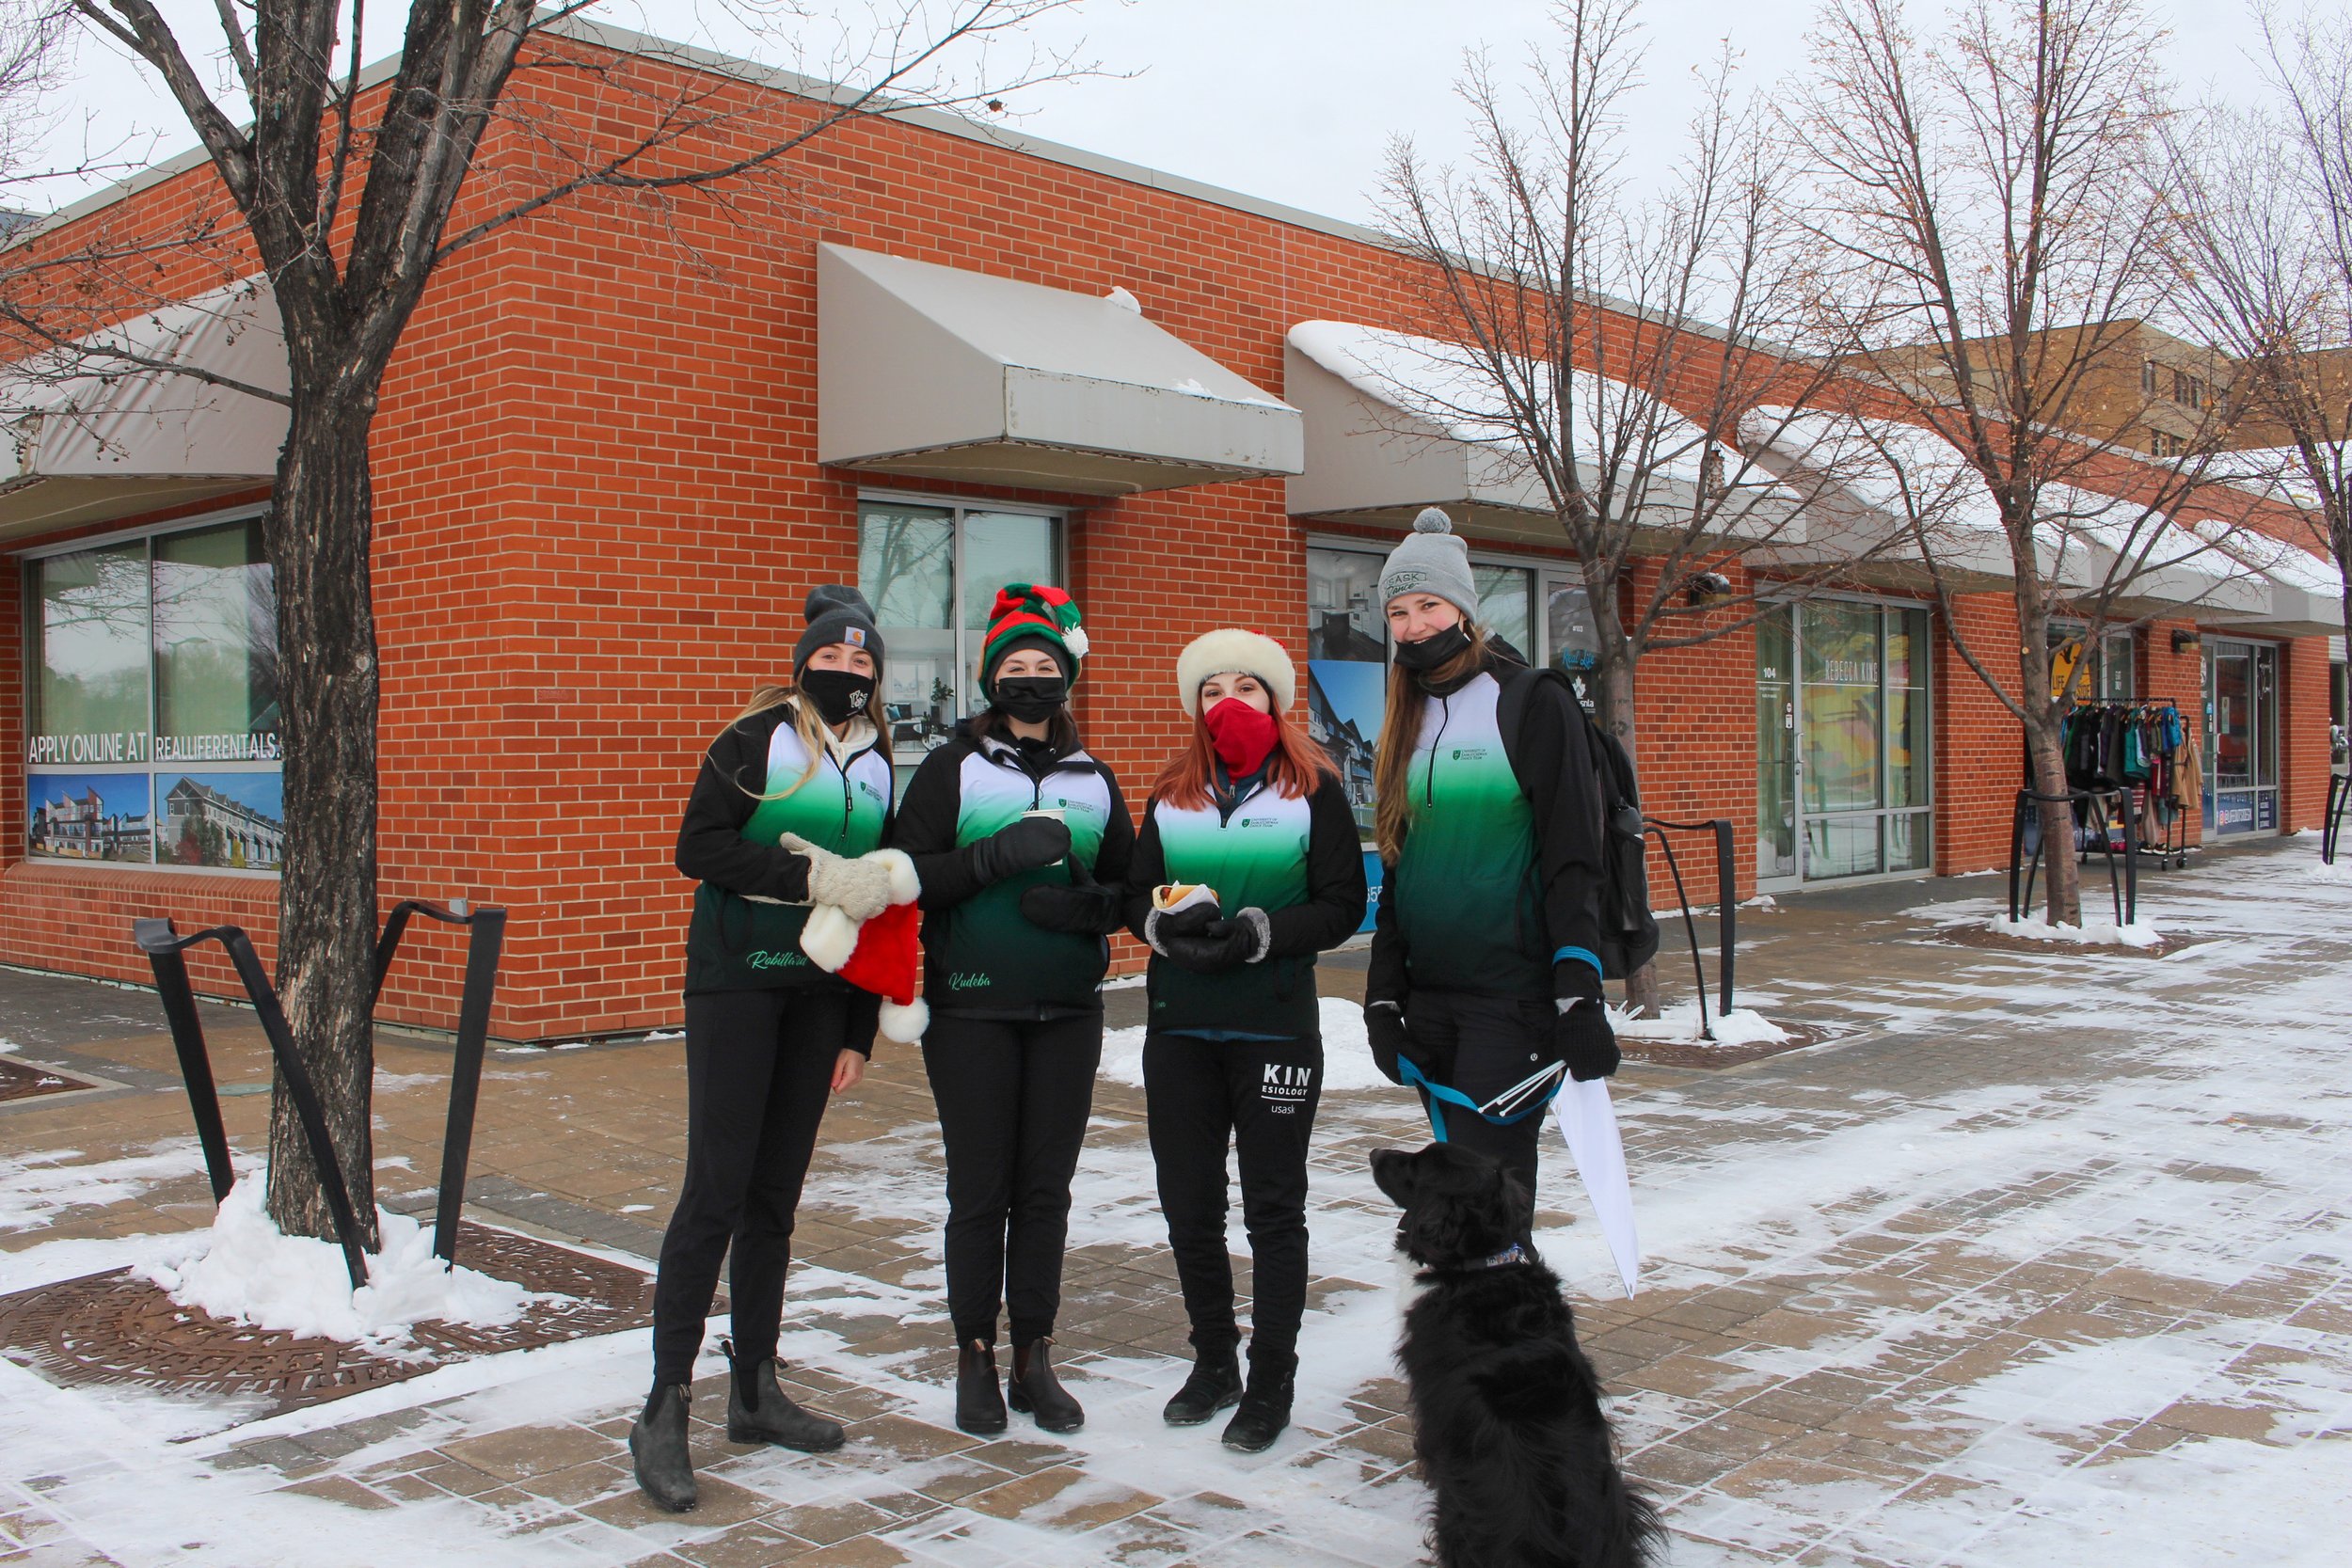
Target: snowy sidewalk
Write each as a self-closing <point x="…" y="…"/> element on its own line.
<point x="2042" y="1257"/>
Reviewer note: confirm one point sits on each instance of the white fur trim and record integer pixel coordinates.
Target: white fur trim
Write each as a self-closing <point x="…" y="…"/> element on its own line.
<point x="905" y="887"/>
<point x="904" y="1024"/>
<point x="1230" y="648"/>
<point x="1076" y="641"/>
<point x="829" y="938"/>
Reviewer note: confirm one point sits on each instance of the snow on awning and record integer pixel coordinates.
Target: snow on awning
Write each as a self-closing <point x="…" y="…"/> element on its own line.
<point x="1396" y="422"/>
<point x="937" y="373"/>
<point x="2304" y="592"/>
<point x="1911" y="497"/>
<point x="99" y="429"/>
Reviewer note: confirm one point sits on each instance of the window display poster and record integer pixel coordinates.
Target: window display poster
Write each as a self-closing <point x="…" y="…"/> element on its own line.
<point x="90" y="816"/>
<point x="235" y="822"/>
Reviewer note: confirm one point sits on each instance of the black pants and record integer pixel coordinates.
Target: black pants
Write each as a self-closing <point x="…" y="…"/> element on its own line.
<point x="758" y="1071"/>
<point x="1483" y="1045"/>
<point x="1013" y="1101"/>
<point x="1259" y="1096"/>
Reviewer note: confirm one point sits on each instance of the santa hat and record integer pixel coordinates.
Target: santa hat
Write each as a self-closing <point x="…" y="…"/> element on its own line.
<point x="880" y="955"/>
<point x="1033" y="612"/>
<point x="1230" y="650"/>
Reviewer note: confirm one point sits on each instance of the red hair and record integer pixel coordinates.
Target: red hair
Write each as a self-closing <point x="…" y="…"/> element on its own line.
<point x="1293" y="768"/>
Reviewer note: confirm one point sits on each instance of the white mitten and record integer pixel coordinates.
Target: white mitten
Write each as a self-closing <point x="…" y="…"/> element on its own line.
<point x="858" y="888"/>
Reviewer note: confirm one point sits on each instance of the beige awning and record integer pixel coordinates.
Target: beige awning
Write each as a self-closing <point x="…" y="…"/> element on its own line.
<point x="101" y="429"/>
<point x="937" y="373"/>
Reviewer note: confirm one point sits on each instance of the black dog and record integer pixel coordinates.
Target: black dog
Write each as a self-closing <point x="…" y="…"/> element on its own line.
<point x="1507" y="1422"/>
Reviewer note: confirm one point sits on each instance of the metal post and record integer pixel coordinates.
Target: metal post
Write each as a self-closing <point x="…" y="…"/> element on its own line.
<point x="187" y="1041"/>
<point x="486" y="935"/>
<point x="1726" y="906"/>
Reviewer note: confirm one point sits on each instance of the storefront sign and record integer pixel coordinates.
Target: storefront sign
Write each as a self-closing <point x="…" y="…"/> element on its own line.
<point x="263" y="747"/>
<point x="2233" y="812"/>
<point x="48" y="751"/>
<point x="2266" y="810"/>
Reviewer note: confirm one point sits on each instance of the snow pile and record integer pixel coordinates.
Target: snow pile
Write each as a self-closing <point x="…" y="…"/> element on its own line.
<point x="1347" y="1054"/>
<point x="248" y="1271"/>
<point x="2034" y="927"/>
<point x="1679" y="1023"/>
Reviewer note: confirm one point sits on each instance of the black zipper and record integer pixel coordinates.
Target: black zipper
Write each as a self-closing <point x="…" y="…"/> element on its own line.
<point x="1429" y="778"/>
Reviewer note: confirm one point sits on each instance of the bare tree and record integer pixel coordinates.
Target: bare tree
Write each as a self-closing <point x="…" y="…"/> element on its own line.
<point x="1987" y="208"/>
<point x="1604" y="347"/>
<point x="2265" y="204"/>
<point x="343" y="184"/>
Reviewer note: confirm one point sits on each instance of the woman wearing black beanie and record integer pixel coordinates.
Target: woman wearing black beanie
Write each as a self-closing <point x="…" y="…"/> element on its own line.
<point x="1021" y="841"/>
<point x="786" y="812"/>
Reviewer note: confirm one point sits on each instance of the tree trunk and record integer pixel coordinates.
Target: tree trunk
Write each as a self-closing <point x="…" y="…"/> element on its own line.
<point x="317" y="535"/>
<point x="1612" y="692"/>
<point x="2063" y="873"/>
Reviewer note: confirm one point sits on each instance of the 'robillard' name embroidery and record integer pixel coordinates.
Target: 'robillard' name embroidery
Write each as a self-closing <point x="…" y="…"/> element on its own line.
<point x="966" y="981"/>
<point x="769" y="959"/>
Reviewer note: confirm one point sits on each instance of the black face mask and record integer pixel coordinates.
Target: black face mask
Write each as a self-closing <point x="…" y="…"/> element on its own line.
<point x="839" y="695"/>
<point x="1031" y="699"/>
<point x="1431" y="650"/>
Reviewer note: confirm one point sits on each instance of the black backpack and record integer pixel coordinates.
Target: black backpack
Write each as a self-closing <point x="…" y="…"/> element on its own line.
<point x="1629" y="932"/>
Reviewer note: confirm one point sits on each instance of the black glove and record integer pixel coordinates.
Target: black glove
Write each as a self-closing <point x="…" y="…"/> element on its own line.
<point x="1580" y="1036"/>
<point x="1384" y="1028"/>
<point x="1083" y="907"/>
<point x="1189" y="921"/>
<point x="1222" y="945"/>
<point x="1023" y="845"/>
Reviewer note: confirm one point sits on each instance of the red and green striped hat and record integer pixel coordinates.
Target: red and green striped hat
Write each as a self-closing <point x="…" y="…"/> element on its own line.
<point x="1033" y="610"/>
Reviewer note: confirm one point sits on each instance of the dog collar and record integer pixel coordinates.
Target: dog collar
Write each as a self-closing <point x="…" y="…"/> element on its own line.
<point x="1508" y="1255"/>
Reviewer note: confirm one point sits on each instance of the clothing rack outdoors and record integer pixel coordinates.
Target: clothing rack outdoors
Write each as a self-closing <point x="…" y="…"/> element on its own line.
<point x="2127" y="769"/>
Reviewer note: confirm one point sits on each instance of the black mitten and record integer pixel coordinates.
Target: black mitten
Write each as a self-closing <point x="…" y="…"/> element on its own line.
<point x="1018" y="846"/>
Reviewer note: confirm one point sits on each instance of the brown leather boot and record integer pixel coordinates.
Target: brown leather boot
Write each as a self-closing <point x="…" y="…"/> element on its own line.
<point x="979" y="1402"/>
<point x="1034" y="1390"/>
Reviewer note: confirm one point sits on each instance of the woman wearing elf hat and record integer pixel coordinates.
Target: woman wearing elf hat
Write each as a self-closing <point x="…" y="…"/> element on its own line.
<point x="1248" y="866"/>
<point x="781" y="830"/>
<point x="1021" y="841"/>
<point x="1485" y="967"/>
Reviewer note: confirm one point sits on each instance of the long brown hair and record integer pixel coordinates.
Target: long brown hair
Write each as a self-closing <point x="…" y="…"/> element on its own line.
<point x="1293" y="768"/>
<point x="1400" y="731"/>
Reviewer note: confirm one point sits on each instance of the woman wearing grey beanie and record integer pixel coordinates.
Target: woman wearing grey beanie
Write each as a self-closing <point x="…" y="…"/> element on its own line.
<point x="1486" y="965"/>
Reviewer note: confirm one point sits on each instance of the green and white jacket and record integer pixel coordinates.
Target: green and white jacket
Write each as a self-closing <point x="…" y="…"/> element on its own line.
<point x="745" y="934"/>
<point x="1296" y="858"/>
<point x="981" y="956"/>
<point x="1501" y="871"/>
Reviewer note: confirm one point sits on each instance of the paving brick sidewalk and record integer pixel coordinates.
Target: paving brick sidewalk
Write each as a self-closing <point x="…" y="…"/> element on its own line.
<point x="1889" y="1271"/>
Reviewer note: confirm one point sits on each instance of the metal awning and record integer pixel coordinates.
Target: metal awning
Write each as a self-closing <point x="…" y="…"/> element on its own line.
<point x="1903" y="495"/>
<point x="2303" y="592"/>
<point x="937" y="373"/>
<point x="99" y="429"/>
<point x="1396" y="422"/>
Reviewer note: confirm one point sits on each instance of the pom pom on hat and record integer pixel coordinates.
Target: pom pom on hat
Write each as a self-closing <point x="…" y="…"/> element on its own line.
<point x="1433" y="559"/>
<point x="1033" y="612"/>
<point x="1231" y="649"/>
<point x="1431" y="520"/>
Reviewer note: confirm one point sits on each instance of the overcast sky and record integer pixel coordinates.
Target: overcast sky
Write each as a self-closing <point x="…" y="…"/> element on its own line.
<point x="1289" y="100"/>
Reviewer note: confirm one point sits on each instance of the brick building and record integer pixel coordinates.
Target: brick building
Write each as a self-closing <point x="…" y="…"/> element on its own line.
<point x="618" y="444"/>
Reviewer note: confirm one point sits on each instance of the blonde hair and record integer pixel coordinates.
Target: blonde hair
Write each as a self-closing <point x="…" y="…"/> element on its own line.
<point x="805" y="724"/>
<point x="1400" y="731"/>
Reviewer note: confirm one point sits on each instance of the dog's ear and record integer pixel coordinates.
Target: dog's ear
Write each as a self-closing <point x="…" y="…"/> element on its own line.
<point x="1392" y="1173"/>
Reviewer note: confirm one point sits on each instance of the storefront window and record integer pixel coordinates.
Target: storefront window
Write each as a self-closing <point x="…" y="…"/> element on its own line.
<point x="1506" y="606"/>
<point x="154" y="701"/>
<point x="916" y="563"/>
<point x="1346" y="666"/>
<point x="1842" y="741"/>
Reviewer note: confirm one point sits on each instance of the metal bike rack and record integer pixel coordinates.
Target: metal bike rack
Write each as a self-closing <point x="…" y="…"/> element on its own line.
<point x="2331" y="820"/>
<point x="1726" y="889"/>
<point x="166" y="952"/>
<point x="2125" y="887"/>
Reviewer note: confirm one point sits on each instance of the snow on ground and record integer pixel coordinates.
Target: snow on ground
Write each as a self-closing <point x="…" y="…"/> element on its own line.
<point x="2034" y="927"/>
<point x="36" y="1188"/>
<point x="1680" y="1022"/>
<point x="2189" y="1118"/>
<point x="246" y="1271"/>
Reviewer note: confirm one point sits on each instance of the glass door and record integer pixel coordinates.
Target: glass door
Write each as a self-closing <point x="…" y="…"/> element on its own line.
<point x="2241" y="737"/>
<point x="1775" y="749"/>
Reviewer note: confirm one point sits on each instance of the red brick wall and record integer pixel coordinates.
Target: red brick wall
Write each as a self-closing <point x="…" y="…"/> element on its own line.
<point x="2303" y="732"/>
<point x="598" y="513"/>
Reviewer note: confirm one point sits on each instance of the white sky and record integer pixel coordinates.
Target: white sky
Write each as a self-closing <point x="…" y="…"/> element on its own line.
<point x="1289" y="100"/>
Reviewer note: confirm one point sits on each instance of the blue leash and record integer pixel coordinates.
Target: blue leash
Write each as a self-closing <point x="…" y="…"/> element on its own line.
<point x="1442" y="1095"/>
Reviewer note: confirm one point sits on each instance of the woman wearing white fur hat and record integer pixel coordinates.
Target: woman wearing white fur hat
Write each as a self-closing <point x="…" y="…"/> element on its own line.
<point x="1247" y="868"/>
<point x="781" y="830"/>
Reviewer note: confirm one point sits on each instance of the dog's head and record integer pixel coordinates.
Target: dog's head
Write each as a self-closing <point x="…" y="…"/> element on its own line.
<point x="1460" y="1208"/>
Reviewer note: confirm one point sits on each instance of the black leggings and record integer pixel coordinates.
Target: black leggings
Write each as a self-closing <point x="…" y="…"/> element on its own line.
<point x="1483" y="1045"/>
<point x="1259" y="1096"/>
<point x="758" y="1071"/>
<point x="1013" y="1101"/>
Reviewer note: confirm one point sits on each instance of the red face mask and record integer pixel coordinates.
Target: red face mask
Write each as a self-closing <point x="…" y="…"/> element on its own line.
<point x="1241" y="734"/>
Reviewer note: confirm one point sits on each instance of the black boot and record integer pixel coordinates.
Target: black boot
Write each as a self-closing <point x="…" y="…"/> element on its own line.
<point x="1215" y="1383"/>
<point x="1034" y="1390"/>
<point x="760" y="1412"/>
<point x="1265" y="1406"/>
<point x="979" y="1402"/>
<point x="665" y="1471"/>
